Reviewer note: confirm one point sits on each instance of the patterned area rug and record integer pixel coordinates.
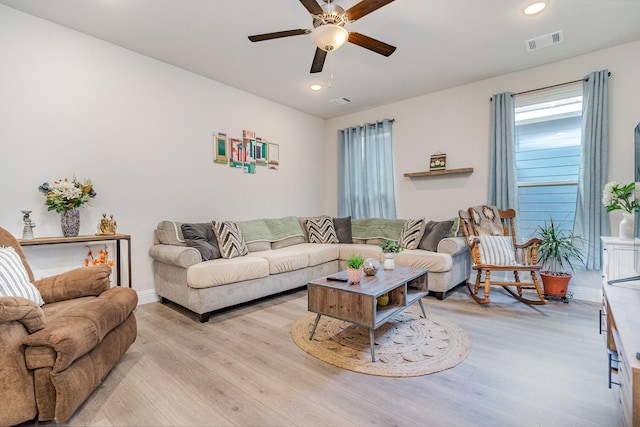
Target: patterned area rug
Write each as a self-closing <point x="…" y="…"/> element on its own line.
<point x="406" y="346"/>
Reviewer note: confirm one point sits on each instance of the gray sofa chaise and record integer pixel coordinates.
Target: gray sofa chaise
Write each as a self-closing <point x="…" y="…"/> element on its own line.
<point x="203" y="271"/>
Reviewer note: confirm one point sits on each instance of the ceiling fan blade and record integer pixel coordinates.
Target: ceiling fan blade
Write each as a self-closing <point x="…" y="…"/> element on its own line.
<point x="312" y="6"/>
<point x="365" y="7"/>
<point x="278" y="34"/>
<point x="372" y="44"/>
<point x="318" y="60"/>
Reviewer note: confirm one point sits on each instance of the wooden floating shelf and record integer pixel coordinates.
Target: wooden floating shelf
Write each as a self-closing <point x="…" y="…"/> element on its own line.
<point x="438" y="172"/>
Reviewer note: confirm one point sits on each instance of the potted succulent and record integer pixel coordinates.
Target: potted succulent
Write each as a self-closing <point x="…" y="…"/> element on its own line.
<point x="354" y="268"/>
<point x="555" y="252"/>
<point x="390" y="248"/>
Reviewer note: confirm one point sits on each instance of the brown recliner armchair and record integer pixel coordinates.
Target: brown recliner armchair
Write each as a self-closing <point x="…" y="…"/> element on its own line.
<point x="53" y="357"/>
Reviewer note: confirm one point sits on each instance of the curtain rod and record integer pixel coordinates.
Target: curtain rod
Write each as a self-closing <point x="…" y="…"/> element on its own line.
<point x="586" y="79"/>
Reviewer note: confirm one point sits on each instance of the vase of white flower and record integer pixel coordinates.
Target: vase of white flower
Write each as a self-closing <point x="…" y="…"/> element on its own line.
<point x="70" y="222"/>
<point x="66" y="196"/>
<point x="626" y="227"/>
<point x="617" y="196"/>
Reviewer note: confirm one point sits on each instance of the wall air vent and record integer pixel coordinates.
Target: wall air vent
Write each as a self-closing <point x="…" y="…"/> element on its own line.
<point x="544" y="41"/>
<point x="340" y="101"/>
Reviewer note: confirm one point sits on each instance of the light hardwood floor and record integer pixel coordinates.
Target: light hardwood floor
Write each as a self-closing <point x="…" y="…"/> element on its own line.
<point x="528" y="366"/>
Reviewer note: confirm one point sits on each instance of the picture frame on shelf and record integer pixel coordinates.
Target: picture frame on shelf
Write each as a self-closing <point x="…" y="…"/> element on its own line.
<point x="438" y="161"/>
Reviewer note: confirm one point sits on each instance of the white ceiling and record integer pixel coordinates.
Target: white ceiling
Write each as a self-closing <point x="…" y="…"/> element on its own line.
<point x="440" y="43"/>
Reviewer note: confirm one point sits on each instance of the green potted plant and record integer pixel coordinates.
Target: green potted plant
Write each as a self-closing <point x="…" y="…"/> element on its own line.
<point x="390" y="248"/>
<point x="354" y="268"/>
<point x="556" y="251"/>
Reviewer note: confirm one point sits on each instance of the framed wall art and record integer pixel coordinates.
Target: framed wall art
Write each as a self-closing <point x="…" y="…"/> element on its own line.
<point x="220" y="149"/>
<point x="273" y="156"/>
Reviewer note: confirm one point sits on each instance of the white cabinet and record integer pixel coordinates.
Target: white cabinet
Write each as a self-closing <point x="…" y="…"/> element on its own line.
<point x="620" y="304"/>
<point x="617" y="258"/>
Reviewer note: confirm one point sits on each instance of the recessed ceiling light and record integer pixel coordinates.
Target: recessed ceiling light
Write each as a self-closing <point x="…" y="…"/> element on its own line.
<point x="316" y="86"/>
<point x="534" y="8"/>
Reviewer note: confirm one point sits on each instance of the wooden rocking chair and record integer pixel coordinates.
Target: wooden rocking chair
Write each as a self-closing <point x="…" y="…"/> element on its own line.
<point x="490" y="234"/>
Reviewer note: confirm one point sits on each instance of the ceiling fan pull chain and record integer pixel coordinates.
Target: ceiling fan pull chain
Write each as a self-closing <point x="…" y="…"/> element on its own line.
<point x="331" y="71"/>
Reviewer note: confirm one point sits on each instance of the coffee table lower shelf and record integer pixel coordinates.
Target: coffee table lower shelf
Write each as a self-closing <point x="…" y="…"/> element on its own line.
<point x="357" y="303"/>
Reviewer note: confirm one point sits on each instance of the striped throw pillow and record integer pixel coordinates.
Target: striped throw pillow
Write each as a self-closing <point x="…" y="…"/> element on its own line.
<point x="230" y="239"/>
<point x="411" y="233"/>
<point x="321" y="230"/>
<point x="497" y="250"/>
<point x="14" y="280"/>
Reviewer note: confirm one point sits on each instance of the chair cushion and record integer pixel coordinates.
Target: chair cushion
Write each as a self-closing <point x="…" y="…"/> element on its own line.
<point x="230" y="239"/>
<point x="14" y="281"/>
<point x="486" y="220"/>
<point x="497" y="250"/>
<point x="74" y="327"/>
<point x="412" y="233"/>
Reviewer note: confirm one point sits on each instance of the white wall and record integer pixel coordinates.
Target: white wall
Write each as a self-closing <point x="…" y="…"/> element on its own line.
<point x="142" y="131"/>
<point x="456" y="122"/>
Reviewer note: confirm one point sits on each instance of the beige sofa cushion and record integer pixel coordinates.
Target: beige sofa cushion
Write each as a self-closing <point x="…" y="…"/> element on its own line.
<point x="258" y="246"/>
<point x="366" y="251"/>
<point x="432" y="261"/>
<point x="289" y="241"/>
<point x="285" y="259"/>
<point x="223" y="271"/>
<point x="320" y="253"/>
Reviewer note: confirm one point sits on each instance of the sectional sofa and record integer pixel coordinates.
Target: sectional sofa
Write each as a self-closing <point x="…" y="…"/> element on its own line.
<point x="209" y="266"/>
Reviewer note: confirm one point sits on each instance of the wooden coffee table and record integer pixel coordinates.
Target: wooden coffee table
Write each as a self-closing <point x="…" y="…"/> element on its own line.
<point x="357" y="303"/>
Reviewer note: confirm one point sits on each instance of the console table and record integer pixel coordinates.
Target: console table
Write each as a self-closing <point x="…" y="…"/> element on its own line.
<point x="620" y="305"/>
<point x="89" y="238"/>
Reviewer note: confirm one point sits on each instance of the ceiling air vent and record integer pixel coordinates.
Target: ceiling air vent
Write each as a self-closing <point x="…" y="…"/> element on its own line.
<point x="340" y="101"/>
<point x="544" y="41"/>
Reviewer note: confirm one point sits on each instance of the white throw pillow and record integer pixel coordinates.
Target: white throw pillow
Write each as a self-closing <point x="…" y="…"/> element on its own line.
<point x="14" y="280"/>
<point x="497" y="250"/>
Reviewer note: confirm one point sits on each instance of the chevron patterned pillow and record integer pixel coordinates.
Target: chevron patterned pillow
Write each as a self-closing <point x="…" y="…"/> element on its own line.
<point x="411" y="233"/>
<point x="230" y="239"/>
<point x="321" y="229"/>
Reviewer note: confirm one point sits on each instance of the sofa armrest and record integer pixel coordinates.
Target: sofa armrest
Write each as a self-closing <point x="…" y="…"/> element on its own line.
<point x="22" y="310"/>
<point x="452" y="245"/>
<point x="180" y="256"/>
<point x="76" y="283"/>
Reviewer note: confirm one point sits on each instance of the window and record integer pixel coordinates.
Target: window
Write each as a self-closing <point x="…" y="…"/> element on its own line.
<point x="548" y="135"/>
<point x="366" y="187"/>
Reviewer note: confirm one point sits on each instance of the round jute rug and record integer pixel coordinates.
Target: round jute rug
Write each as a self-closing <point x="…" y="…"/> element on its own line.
<point x="406" y="346"/>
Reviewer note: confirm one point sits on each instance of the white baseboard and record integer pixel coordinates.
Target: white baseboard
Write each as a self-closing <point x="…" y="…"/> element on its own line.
<point x="146" y="297"/>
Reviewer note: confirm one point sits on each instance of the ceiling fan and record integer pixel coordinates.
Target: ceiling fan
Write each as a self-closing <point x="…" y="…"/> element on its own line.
<point x="328" y="31"/>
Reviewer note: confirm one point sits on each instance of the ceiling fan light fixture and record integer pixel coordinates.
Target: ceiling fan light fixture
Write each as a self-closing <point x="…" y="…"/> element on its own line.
<point x="534" y="8"/>
<point x="329" y="37"/>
